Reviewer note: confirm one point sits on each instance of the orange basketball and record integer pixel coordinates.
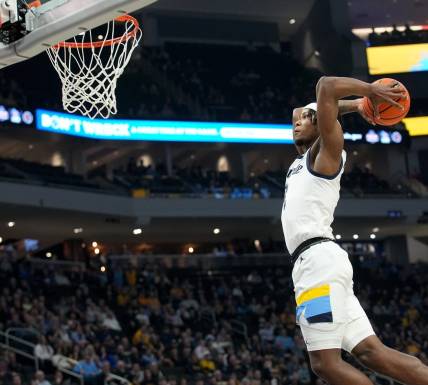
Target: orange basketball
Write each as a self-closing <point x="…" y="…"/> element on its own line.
<point x="389" y="115"/>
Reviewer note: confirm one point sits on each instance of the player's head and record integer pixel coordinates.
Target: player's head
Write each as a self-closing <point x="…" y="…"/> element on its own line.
<point x="305" y="129"/>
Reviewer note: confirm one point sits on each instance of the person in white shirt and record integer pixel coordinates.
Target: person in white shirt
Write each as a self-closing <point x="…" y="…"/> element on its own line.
<point x="44" y="352"/>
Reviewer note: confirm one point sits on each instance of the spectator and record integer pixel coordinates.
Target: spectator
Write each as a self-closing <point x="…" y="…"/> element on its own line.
<point x="44" y="353"/>
<point x="39" y="379"/>
<point x="88" y="367"/>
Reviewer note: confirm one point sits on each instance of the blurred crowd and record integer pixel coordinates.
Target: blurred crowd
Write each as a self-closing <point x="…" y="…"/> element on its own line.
<point x="194" y="180"/>
<point x="255" y="84"/>
<point x="197" y="180"/>
<point x="154" y="325"/>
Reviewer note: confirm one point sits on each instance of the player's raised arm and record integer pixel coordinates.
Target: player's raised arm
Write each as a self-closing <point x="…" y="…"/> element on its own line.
<point x="329" y="91"/>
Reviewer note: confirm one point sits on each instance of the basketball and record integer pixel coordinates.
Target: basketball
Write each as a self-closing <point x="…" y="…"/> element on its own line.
<point x="389" y="115"/>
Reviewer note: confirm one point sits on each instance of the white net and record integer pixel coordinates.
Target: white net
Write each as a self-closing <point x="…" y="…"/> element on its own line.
<point x="90" y="66"/>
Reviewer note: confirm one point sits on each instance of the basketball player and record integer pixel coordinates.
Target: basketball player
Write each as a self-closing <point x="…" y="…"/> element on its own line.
<point x="330" y="316"/>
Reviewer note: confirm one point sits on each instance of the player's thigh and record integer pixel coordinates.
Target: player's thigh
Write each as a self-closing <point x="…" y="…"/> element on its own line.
<point x="359" y="328"/>
<point x="323" y="335"/>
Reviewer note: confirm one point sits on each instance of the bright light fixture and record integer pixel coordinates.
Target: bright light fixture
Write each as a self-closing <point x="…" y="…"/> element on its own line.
<point x="97" y="251"/>
<point x="216" y="231"/>
<point x="77" y="230"/>
<point x="137" y="231"/>
<point x="191" y="250"/>
<point x="338" y="236"/>
<point x="292" y="21"/>
<point x="94" y="244"/>
<point x="355" y="236"/>
<point x="372" y="236"/>
<point x="103" y="269"/>
<point x="48" y="254"/>
<point x="11" y="224"/>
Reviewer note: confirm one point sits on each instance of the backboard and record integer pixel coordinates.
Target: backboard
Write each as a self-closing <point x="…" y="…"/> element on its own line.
<point x="48" y="22"/>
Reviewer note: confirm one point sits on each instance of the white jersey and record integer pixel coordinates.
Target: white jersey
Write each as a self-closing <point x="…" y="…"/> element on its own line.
<point x="309" y="202"/>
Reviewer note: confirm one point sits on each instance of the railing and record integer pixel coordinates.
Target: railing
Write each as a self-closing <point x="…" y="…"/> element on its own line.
<point x="24" y="330"/>
<point x="204" y="261"/>
<point x="111" y="378"/>
<point x="7" y="345"/>
<point x="62" y="363"/>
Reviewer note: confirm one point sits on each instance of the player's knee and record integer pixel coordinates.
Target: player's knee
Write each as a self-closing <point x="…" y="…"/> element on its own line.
<point x="415" y="362"/>
<point x="375" y="356"/>
<point x="322" y="368"/>
<point x="317" y="368"/>
<point x="371" y="355"/>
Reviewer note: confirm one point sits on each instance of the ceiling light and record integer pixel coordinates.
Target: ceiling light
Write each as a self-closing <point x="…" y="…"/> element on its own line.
<point x="292" y="21"/>
<point x="372" y="236"/>
<point x="317" y="53"/>
<point x="338" y="236"/>
<point x="77" y="230"/>
<point x="191" y="250"/>
<point x="1" y="239"/>
<point x="97" y="251"/>
<point x="257" y="243"/>
<point x="94" y="244"/>
<point x="375" y="229"/>
<point x="137" y="231"/>
<point x="103" y="269"/>
<point x="355" y="236"/>
<point x="216" y="231"/>
<point x="10" y="224"/>
<point x="48" y="254"/>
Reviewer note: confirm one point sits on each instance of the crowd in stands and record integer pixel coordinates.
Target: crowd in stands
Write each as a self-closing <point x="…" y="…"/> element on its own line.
<point x="187" y="82"/>
<point x="153" y="325"/>
<point x="193" y="181"/>
<point x="358" y="182"/>
<point x="22" y="169"/>
<point x="190" y="81"/>
<point x="406" y="36"/>
<point x="254" y="84"/>
<point x="44" y="174"/>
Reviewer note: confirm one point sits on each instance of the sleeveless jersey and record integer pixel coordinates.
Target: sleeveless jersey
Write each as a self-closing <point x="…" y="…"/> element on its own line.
<point x="309" y="202"/>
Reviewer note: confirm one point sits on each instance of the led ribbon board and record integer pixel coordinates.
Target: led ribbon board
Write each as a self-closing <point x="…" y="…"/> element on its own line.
<point x="163" y="130"/>
<point x="396" y="59"/>
<point x="174" y="131"/>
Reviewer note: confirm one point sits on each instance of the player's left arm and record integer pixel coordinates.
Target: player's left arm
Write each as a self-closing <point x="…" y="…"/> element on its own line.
<point x="355" y="105"/>
<point x="345" y="107"/>
<point x="329" y="91"/>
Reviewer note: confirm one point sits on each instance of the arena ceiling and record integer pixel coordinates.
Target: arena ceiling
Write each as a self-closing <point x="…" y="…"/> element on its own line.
<point x="280" y="11"/>
<point x="363" y="13"/>
<point x="379" y="13"/>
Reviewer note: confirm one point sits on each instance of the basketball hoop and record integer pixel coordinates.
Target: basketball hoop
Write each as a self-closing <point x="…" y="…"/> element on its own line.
<point x="90" y="66"/>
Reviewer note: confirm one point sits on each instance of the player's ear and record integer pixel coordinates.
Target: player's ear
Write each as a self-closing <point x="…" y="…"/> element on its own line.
<point x="314" y="119"/>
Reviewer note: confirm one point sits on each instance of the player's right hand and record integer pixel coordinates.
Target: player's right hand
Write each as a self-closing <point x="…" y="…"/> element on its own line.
<point x="389" y="93"/>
